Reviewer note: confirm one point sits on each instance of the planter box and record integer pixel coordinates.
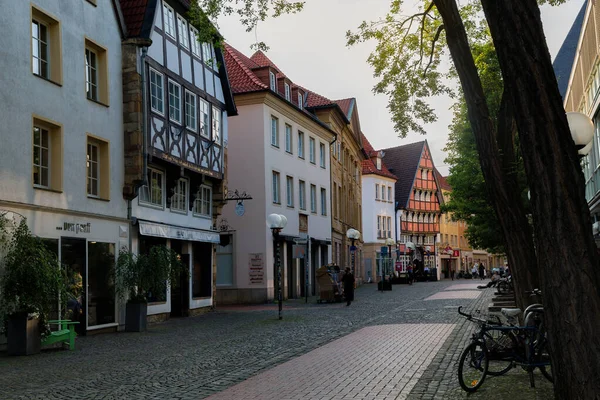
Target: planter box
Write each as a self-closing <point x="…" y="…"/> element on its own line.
<point x="135" y="317"/>
<point x="23" y="335"/>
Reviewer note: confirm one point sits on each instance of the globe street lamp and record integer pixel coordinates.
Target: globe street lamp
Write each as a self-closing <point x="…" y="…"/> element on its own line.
<point x="582" y="131"/>
<point x="353" y="235"/>
<point x="276" y="223"/>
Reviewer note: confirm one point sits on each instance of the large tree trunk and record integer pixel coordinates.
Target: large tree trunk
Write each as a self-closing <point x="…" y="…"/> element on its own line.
<point x="505" y="198"/>
<point x="562" y="223"/>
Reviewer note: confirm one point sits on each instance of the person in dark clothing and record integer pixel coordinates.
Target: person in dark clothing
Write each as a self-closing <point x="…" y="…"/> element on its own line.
<point x="481" y="271"/>
<point x="348" y="281"/>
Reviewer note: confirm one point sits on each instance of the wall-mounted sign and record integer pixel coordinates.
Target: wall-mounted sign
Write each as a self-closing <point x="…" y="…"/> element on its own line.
<point x="299" y="251"/>
<point x="175" y="232"/>
<point x="256" y="268"/>
<point x="76" y="228"/>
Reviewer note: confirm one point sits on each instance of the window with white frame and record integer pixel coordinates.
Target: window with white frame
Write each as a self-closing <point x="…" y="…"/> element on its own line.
<point x="194" y="44"/>
<point x="323" y="201"/>
<point x="152" y="193"/>
<point x="216" y="124"/>
<point x="179" y="197"/>
<point x="272" y="81"/>
<point x="169" y="20"/>
<point x="377" y="191"/>
<point x="274" y="131"/>
<point x="302" y="195"/>
<point x="174" y="102"/>
<point x="204" y="118"/>
<point x="312" y="150"/>
<point x="313" y="199"/>
<point x="202" y="202"/>
<point x="190" y="111"/>
<point x="378" y="164"/>
<point x="379" y="230"/>
<point x="40" y="43"/>
<point x="157" y="92"/>
<point x="383" y="192"/>
<point x="41" y="157"/>
<point x="207" y="54"/>
<point x="287" y="91"/>
<point x="276" y="185"/>
<point x="322" y="154"/>
<point x="300" y="144"/>
<point x="91" y="74"/>
<point x="300" y="100"/>
<point x="389" y="227"/>
<point x="93" y="170"/>
<point x="183" y="32"/>
<point x="288" y="138"/>
<point x="289" y="182"/>
<point x="390" y="193"/>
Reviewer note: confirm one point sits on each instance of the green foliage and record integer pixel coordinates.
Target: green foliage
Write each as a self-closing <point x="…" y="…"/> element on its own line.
<point x="32" y="280"/>
<point x="138" y="275"/>
<point x="203" y="15"/>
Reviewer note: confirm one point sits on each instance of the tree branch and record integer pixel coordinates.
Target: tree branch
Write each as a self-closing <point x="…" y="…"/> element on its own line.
<point x="435" y="38"/>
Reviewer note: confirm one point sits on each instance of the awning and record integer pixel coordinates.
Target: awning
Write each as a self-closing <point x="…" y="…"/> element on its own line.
<point x="323" y="242"/>
<point x="176" y="232"/>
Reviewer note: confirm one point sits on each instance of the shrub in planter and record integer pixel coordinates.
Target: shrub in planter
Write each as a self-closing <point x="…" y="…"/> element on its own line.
<point x="31" y="285"/>
<point x="139" y="275"/>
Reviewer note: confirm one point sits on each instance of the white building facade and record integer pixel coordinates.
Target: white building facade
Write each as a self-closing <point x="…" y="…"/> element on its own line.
<point x="279" y="155"/>
<point x="175" y="178"/>
<point x="62" y="149"/>
<point x="378" y="215"/>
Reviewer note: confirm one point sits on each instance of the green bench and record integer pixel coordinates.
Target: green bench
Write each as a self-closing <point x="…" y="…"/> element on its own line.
<point x="65" y="333"/>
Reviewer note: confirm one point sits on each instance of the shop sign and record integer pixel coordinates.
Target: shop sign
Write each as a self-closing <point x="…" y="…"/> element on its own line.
<point x="76" y="228"/>
<point x="173" y="232"/>
<point x="256" y="268"/>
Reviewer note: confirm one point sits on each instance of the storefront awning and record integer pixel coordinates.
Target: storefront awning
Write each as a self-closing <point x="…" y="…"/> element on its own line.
<point x="176" y="232"/>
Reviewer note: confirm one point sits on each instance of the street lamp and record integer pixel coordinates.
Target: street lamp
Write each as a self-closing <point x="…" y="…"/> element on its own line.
<point x="582" y="131"/>
<point x="276" y="223"/>
<point x="389" y="243"/>
<point x="353" y="235"/>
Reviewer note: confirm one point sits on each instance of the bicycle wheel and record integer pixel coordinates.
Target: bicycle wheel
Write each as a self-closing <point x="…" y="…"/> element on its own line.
<point x="472" y="367"/>
<point x="503" y="287"/>
<point x="500" y="346"/>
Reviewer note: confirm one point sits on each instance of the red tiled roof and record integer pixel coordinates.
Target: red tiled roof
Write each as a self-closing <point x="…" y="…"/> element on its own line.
<point x="346" y="105"/>
<point x="241" y="78"/>
<point x="369" y="167"/>
<point x="260" y="59"/>
<point x="133" y="13"/>
<point x="316" y="100"/>
<point x="442" y="180"/>
<point x="404" y="161"/>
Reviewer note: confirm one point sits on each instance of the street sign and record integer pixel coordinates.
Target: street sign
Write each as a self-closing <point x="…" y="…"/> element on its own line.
<point x="352" y="248"/>
<point x="384" y="250"/>
<point x="298" y="251"/>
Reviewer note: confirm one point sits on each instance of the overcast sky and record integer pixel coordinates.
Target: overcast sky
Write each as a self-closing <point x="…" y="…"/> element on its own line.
<point x="310" y="48"/>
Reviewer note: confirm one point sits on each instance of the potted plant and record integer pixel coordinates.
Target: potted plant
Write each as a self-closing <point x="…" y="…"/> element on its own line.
<point x="141" y="274"/>
<point x="31" y="285"/>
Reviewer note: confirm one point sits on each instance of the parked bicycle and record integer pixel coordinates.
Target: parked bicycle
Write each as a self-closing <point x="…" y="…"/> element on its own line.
<point x="505" y="286"/>
<point x="497" y="348"/>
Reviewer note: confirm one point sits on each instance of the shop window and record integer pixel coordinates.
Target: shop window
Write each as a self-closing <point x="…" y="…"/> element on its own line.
<point x="225" y="264"/>
<point x="158" y="293"/>
<point x="101" y="288"/>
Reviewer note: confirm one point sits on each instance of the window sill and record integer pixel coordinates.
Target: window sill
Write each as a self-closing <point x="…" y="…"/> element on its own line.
<point x="313" y="163"/>
<point x="300" y="157"/>
<point x="276" y="203"/>
<point x="59" y="84"/>
<point x="157" y="303"/>
<point x="291" y="207"/>
<point x="201" y="298"/>
<point x="181" y="212"/>
<point x="48" y="189"/>
<point x="289" y="152"/>
<point x="273" y="145"/>
<point x="92" y="2"/>
<point x="150" y="205"/>
<point x="98" y="198"/>
<point x="322" y="167"/>
<point x="203" y="216"/>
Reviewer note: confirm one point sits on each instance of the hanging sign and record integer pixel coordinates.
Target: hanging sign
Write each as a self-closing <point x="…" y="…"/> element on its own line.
<point x="239" y="209"/>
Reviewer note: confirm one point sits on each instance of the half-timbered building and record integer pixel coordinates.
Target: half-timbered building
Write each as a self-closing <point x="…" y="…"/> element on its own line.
<point x="417" y="202"/>
<point x="176" y="101"/>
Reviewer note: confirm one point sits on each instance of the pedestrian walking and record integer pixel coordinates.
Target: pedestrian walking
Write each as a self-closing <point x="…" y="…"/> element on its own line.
<point x="452" y="273"/>
<point x="348" y="281"/>
<point x="481" y="271"/>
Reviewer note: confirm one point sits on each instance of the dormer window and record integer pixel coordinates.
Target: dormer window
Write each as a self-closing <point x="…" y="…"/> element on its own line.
<point x="272" y="81"/>
<point x="379" y="163"/>
<point x="300" y="100"/>
<point x="287" y="91"/>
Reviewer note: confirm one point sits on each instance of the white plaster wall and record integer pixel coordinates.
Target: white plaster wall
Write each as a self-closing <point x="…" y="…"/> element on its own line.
<point x="245" y="172"/>
<point x="251" y="161"/>
<point x="372" y="207"/>
<point x="23" y="94"/>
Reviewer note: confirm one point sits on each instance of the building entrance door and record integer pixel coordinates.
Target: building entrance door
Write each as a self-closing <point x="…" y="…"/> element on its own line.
<point x="73" y="259"/>
<point x="180" y="304"/>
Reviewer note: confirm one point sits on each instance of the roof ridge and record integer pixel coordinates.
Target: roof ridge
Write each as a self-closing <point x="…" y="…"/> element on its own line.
<point x="233" y="52"/>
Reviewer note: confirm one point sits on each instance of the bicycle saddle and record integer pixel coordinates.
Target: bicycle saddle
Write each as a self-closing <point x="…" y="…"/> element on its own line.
<point x="511" y="312"/>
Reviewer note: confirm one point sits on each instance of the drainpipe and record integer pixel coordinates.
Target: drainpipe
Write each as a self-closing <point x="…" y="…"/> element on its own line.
<point x="331" y="194"/>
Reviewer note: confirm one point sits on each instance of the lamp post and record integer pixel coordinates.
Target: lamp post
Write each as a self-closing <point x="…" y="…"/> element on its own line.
<point x="582" y="131"/>
<point x="276" y="223"/>
<point x="353" y="235"/>
<point x="389" y="243"/>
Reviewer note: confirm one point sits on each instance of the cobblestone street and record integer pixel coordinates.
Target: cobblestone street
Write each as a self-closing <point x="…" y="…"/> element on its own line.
<point x="399" y="344"/>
